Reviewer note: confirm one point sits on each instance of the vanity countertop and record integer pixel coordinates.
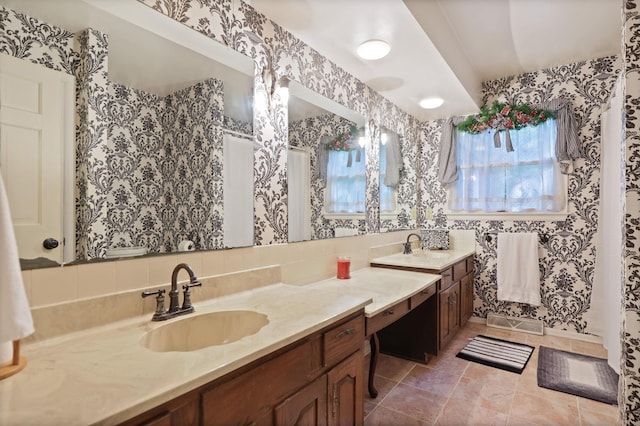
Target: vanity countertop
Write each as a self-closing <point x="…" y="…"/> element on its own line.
<point x="435" y="260"/>
<point x="385" y="286"/>
<point x="104" y="375"/>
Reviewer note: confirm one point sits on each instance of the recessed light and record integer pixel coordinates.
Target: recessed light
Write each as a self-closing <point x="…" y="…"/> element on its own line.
<point x="373" y="49"/>
<point x="431" y="103"/>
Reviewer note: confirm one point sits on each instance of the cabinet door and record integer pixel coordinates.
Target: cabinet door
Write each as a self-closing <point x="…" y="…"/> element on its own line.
<point x="466" y="299"/>
<point x="308" y="406"/>
<point x="454" y="311"/>
<point x="346" y="387"/>
<point x="449" y="314"/>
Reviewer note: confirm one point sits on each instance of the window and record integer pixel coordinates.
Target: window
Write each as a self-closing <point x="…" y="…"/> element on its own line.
<point x="491" y="179"/>
<point x="346" y="182"/>
<point x="387" y="194"/>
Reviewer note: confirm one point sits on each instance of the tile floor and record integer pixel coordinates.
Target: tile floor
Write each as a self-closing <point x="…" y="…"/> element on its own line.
<point x="452" y="391"/>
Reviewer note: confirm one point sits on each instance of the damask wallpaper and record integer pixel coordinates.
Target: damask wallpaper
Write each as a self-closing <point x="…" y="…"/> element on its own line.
<point x="630" y="379"/>
<point x="147" y="172"/>
<point x="567" y="259"/>
<point x="247" y="31"/>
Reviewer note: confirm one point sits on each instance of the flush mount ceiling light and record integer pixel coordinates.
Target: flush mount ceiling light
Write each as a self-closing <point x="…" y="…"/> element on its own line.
<point x="431" y="103"/>
<point x="373" y="49"/>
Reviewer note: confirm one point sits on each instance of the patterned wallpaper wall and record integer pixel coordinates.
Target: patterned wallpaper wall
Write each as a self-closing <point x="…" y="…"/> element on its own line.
<point x="630" y="379"/>
<point x="147" y="172"/>
<point x="247" y="31"/>
<point x="307" y="134"/>
<point x="192" y="166"/>
<point x="567" y="260"/>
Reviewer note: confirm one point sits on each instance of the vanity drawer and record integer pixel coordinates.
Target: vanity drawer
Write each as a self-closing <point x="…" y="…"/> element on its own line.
<point x="387" y="317"/>
<point x="423" y="295"/>
<point x="447" y="278"/>
<point x="343" y="340"/>
<point x="459" y="270"/>
<point x="469" y="264"/>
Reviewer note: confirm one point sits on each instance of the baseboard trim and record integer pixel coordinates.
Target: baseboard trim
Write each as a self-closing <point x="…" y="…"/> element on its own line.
<point x="553" y="332"/>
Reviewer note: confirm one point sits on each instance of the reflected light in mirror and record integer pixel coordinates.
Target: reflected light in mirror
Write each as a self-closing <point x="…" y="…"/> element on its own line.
<point x="383" y="138"/>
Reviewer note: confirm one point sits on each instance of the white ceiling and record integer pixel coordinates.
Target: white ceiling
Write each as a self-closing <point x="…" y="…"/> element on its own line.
<point x="447" y="48"/>
<point x="440" y="48"/>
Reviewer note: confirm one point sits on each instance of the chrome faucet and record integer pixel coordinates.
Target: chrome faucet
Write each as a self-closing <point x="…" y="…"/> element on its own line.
<point x="407" y="245"/>
<point x="174" y="303"/>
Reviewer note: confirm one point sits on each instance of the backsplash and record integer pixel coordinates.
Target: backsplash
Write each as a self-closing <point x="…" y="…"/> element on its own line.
<point x="567" y="259"/>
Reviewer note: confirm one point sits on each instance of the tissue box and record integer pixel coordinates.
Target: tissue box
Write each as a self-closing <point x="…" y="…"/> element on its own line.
<point x="435" y="239"/>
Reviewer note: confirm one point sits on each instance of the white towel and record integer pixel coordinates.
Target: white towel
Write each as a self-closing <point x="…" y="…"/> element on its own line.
<point x="15" y="316"/>
<point x="518" y="273"/>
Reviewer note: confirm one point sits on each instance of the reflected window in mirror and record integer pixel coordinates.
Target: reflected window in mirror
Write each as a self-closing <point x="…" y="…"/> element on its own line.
<point x="388" y="194"/>
<point x="346" y="179"/>
<point x="315" y="121"/>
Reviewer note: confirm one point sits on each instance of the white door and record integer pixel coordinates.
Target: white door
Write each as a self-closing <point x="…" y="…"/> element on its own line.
<point x="31" y="153"/>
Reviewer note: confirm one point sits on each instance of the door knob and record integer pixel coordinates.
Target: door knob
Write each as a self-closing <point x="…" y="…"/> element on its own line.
<point x="50" y="243"/>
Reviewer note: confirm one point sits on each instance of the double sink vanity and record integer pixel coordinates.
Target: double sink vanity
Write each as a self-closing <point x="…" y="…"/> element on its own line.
<point x="277" y="354"/>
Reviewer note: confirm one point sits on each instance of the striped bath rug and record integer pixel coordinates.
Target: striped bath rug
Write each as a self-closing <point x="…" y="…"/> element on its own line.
<point x="497" y="353"/>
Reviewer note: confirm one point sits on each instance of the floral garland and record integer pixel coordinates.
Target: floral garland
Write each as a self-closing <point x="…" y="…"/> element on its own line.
<point x="341" y="142"/>
<point x="504" y="117"/>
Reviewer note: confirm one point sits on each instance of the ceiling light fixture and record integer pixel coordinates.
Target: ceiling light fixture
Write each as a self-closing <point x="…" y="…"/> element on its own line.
<point x="373" y="49"/>
<point x="431" y="103"/>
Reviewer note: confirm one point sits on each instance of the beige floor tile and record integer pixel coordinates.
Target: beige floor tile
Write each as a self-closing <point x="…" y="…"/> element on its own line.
<point x="383" y="386"/>
<point x="393" y="368"/>
<point x="417" y="403"/>
<point x="590" y="418"/>
<point x="435" y="381"/>
<point x="449" y="363"/>
<point x="588" y="348"/>
<point x="483" y="396"/>
<point x="537" y="410"/>
<point x="597" y="406"/>
<point x="491" y="376"/>
<point x="384" y="417"/>
<point x="459" y="412"/>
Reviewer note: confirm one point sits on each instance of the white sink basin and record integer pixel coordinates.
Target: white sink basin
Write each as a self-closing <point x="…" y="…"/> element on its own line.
<point x="201" y="331"/>
<point x="430" y="254"/>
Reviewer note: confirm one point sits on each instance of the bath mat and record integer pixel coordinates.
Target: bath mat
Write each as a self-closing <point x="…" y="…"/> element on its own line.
<point x="577" y="374"/>
<point x="502" y="354"/>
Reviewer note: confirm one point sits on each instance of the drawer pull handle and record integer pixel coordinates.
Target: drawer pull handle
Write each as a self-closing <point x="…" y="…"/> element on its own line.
<point x="346" y="332"/>
<point x="425" y="292"/>
<point x="446" y="274"/>
<point x="389" y="311"/>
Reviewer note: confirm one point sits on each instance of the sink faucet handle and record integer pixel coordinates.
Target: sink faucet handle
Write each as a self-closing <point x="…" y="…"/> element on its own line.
<point x="160" y="311"/>
<point x="186" y="302"/>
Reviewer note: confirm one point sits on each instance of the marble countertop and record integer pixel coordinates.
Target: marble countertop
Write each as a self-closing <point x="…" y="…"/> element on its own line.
<point x="105" y="376"/>
<point x="385" y="286"/>
<point x="436" y="260"/>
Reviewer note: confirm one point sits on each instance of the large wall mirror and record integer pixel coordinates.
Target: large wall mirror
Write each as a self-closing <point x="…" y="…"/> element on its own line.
<point x="326" y="167"/>
<point x="162" y="128"/>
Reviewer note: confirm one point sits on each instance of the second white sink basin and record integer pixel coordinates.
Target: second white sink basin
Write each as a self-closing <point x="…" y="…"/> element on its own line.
<point x="201" y="331"/>
<point x="430" y="254"/>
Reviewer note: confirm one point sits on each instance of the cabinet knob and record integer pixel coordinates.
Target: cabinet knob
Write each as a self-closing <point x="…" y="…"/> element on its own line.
<point x="346" y="332"/>
<point x="389" y="311"/>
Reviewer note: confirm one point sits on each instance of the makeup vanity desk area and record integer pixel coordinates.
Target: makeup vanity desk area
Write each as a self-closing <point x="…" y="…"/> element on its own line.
<point x="452" y="307"/>
<point x="395" y="294"/>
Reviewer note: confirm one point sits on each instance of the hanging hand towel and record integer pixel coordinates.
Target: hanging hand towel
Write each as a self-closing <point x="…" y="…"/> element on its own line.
<point x="518" y="273"/>
<point x="15" y="316"/>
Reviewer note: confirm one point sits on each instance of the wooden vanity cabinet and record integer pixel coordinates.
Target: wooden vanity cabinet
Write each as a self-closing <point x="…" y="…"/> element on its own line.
<point x="434" y="324"/>
<point x="317" y="380"/>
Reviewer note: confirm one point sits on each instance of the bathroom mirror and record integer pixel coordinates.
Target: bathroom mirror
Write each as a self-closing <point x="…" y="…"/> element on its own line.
<point x="397" y="182"/>
<point x="326" y="167"/>
<point x="160" y="108"/>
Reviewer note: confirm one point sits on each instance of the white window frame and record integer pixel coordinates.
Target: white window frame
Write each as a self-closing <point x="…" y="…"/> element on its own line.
<point x="515" y="216"/>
